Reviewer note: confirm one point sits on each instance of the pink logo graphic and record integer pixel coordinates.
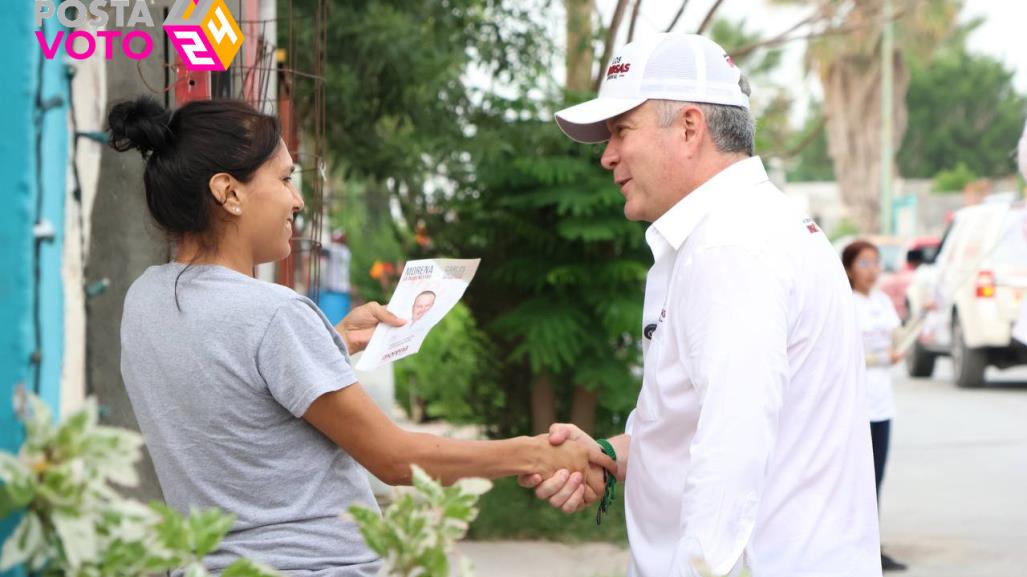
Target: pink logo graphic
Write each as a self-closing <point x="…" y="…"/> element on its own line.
<point x="204" y="33"/>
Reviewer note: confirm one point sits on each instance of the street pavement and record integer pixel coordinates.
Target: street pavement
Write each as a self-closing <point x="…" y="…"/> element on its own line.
<point x="954" y="502"/>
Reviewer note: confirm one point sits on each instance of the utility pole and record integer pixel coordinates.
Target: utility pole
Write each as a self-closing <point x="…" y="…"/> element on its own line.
<point x="887" y="91"/>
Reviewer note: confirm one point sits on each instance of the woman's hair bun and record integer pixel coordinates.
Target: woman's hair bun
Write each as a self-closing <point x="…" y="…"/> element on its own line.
<point x="142" y="124"/>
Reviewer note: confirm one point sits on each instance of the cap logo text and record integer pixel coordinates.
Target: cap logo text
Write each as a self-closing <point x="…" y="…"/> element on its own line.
<point x="617" y="68"/>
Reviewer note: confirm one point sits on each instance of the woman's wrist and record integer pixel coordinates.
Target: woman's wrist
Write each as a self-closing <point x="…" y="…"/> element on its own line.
<point x="345" y="337"/>
<point x="530" y="454"/>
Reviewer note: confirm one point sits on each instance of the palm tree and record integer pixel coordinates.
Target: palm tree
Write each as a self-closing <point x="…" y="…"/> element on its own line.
<point x="849" y="66"/>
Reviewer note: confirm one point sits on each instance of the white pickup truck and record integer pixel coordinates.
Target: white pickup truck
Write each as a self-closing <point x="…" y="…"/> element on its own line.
<point x="970" y="291"/>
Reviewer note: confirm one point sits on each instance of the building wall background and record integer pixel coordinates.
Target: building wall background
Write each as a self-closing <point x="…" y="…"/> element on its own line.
<point x="33" y="156"/>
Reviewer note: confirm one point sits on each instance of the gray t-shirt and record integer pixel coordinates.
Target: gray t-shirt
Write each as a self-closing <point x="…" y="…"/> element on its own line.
<point x="219" y="389"/>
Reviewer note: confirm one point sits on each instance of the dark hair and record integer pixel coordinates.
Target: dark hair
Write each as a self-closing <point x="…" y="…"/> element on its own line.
<point x="185" y="148"/>
<point x="852" y="251"/>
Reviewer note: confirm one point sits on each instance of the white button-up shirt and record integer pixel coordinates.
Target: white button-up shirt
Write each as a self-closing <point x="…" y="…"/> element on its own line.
<point x="750" y="445"/>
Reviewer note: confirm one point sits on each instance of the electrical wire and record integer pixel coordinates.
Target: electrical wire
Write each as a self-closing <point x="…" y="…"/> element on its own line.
<point x="36" y="357"/>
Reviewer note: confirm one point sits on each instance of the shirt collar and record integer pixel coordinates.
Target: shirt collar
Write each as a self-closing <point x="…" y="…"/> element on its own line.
<point x="671" y="230"/>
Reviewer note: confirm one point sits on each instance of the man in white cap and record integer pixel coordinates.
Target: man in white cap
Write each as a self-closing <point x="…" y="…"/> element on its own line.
<point x="749" y="446"/>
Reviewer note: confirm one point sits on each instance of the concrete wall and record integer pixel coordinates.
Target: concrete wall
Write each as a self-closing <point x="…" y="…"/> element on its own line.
<point x="931" y="209"/>
<point x="918" y="211"/>
<point x="123" y="242"/>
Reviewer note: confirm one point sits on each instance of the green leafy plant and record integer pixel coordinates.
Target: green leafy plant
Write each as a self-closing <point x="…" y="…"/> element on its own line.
<point x="964" y="108"/>
<point x="558" y="294"/>
<point x="74" y="523"/>
<point x="449" y="376"/>
<point x="845" y="227"/>
<point x="419" y="529"/>
<point x="954" y="179"/>
<point x="510" y="512"/>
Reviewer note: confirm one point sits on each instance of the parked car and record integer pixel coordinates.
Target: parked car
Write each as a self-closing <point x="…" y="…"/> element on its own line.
<point x="897" y="270"/>
<point x="970" y="292"/>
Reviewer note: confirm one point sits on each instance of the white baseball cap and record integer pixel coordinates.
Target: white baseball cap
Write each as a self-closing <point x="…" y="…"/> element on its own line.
<point x="666" y="66"/>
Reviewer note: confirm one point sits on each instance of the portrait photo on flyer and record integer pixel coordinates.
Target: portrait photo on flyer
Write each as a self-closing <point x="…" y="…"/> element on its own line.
<point x="427" y="291"/>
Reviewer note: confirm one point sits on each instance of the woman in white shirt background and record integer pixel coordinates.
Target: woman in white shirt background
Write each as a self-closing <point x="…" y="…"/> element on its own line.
<point x="878" y="321"/>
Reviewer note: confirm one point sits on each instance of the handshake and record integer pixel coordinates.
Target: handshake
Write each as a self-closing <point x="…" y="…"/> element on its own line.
<point x="570" y="471"/>
<point x="566" y="467"/>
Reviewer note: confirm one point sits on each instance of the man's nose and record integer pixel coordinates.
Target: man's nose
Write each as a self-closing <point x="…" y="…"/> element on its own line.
<point x="610" y="156"/>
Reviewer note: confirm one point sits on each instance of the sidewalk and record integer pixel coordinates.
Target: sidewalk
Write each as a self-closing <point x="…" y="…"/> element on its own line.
<point x="544" y="559"/>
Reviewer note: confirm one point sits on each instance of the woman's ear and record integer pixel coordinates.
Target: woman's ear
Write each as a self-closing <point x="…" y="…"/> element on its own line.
<point x="223" y="187"/>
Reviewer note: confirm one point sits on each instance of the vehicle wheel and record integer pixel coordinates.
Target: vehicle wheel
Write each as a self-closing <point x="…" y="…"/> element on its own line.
<point x="967" y="364"/>
<point x="919" y="362"/>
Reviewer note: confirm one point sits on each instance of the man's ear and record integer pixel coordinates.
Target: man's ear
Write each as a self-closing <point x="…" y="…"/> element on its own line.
<point x="693" y="125"/>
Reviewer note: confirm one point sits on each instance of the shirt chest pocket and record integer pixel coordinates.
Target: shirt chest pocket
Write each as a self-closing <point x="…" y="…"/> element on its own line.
<point x="667" y="389"/>
<point x="650" y="403"/>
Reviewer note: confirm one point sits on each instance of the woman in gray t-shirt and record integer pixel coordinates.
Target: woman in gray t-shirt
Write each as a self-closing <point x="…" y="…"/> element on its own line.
<point x="243" y="389"/>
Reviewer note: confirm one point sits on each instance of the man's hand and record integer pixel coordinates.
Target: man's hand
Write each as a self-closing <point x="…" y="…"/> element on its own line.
<point x="356" y="328"/>
<point x="567" y="491"/>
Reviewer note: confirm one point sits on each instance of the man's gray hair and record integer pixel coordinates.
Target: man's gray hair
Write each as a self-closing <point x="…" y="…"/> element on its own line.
<point x="732" y="128"/>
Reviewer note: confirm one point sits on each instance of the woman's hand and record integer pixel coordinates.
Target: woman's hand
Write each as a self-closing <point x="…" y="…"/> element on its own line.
<point x="574" y="484"/>
<point x="570" y="456"/>
<point x="897" y="356"/>
<point x="565" y="490"/>
<point x="358" y="326"/>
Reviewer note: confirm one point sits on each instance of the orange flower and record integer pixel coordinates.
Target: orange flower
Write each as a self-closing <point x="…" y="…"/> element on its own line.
<point x="377" y="269"/>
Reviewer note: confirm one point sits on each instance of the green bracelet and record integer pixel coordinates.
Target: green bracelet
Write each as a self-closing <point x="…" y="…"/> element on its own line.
<point x="611" y="481"/>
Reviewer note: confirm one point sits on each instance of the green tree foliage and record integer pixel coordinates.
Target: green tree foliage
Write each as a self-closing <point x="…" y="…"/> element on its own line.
<point x="510" y="512"/>
<point x="963" y="109"/>
<point x="399" y="85"/>
<point x="733" y="35"/>
<point x="954" y="179"/>
<point x="559" y="290"/>
<point x="771" y="102"/>
<point x="415" y="122"/>
<point x="451" y="374"/>
<point x="804" y="149"/>
<point x="397" y="93"/>
<point x="370" y="238"/>
<point x="812" y="161"/>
